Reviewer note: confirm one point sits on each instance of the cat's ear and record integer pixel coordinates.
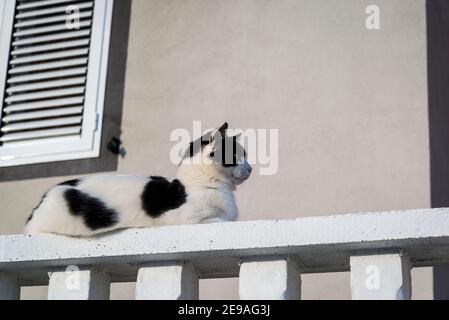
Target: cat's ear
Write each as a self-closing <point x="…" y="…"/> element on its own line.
<point x="219" y="133"/>
<point x="223" y="129"/>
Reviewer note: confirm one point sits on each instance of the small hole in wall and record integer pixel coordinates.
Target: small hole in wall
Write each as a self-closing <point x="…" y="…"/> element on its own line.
<point x="115" y="145"/>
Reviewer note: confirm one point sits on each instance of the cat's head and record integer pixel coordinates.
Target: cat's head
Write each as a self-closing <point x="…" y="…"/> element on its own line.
<point x="221" y="155"/>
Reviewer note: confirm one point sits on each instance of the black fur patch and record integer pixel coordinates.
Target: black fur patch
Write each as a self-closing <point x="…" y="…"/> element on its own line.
<point x="72" y="183"/>
<point x="160" y="195"/>
<point x="95" y="213"/>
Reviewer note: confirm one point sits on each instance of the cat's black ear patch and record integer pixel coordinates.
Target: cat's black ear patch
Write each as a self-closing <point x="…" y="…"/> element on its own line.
<point x="223" y="129"/>
<point x="95" y="213"/>
<point x="160" y="195"/>
<point x="220" y="133"/>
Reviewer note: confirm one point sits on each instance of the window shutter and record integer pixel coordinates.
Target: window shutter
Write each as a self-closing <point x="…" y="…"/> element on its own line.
<point x="53" y="74"/>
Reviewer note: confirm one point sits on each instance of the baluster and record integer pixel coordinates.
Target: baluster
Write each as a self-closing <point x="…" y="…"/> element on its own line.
<point x="380" y="277"/>
<point x="9" y="287"/>
<point x="270" y="279"/>
<point x="167" y="281"/>
<point x="75" y="284"/>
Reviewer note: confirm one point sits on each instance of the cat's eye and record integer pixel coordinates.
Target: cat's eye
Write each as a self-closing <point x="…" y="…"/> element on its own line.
<point x="212" y="154"/>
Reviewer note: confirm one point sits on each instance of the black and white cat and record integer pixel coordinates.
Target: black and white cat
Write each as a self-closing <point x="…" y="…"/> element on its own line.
<point x="209" y="172"/>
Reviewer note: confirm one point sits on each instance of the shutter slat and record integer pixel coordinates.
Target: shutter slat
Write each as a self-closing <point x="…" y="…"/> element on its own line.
<point x="41" y="12"/>
<point x="50" y="47"/>
<point x="41" y="124"/>
<point x="52" y="19"/>
<point x="46" y="85"/>
<point x="43" y="114"/>
<point x="47" y="66"/>
<point x="50" y="56"/>
<point x="41" y="3"/>
<point x="53" y="37"/>
<point x="57" y="132"/>
<point x="45" y="94"/>
<point x="44" y="104"/>
<point x="59" y="27"/>
<point x="48" y="75"/>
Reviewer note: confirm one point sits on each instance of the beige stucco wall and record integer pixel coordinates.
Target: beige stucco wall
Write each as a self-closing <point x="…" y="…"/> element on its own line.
<point x="350" y="105"/>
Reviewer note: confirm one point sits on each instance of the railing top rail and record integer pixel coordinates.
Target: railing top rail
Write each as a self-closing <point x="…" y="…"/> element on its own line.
<point x="321" y="244"/>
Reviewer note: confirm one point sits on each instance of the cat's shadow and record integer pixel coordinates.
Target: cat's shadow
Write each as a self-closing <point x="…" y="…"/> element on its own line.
<point x="108" y="234"/>
<point x="103" y="235"/>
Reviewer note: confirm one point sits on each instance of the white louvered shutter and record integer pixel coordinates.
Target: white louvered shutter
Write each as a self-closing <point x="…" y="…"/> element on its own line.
<point x="52" y="79"/>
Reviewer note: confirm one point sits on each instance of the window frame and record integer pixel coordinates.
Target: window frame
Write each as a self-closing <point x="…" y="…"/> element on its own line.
<point x="62" y="148"/>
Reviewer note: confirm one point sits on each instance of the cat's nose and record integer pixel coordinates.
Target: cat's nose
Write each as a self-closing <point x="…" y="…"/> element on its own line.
<point x="250" y="169"/>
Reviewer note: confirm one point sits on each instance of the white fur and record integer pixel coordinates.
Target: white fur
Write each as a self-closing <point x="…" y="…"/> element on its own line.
<point x="209" y="189"/>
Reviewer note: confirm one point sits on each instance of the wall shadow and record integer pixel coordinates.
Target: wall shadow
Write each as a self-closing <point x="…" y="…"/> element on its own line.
<point x="437" y="14"/>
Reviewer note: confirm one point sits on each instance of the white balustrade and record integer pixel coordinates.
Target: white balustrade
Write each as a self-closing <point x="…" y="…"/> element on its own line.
<point x="268" y="256"/>
<point x="273" y="279"/>
<point x="75" y="284"/>
<point x="380" y="277"/>
<point x="172" y="281"/>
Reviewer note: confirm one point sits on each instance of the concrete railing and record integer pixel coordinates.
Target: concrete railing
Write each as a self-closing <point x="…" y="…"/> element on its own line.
<point x="268" y="256"/>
